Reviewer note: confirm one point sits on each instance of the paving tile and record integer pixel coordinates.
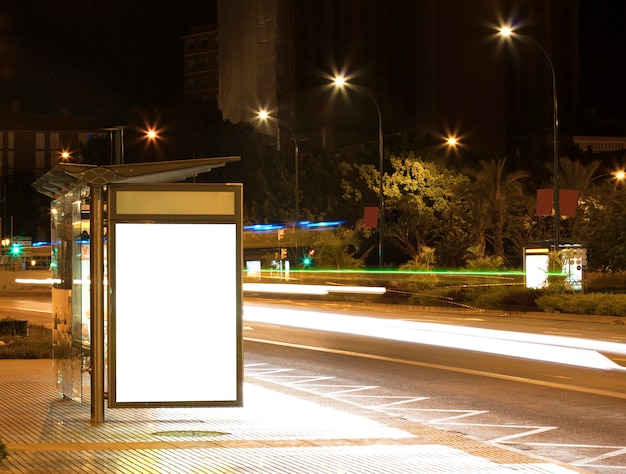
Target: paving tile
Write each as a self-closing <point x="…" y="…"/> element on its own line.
<point x="274" y="432"/>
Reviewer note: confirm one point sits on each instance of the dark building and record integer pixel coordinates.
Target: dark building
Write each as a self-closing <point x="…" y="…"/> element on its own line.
<point x="433" y="66"/>
<point x="200" y="68"/>
<point x="34" y="143"/>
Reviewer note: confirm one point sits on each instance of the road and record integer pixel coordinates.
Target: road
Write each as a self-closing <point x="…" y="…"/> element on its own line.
<point x="32" y="305"/>
<point x="449" y="370"/>
<point x="557" y="410"/>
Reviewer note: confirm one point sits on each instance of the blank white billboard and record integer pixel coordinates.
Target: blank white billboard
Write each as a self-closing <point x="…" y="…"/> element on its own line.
<point x="176" y="302"/>
<point x="536" y="266"/>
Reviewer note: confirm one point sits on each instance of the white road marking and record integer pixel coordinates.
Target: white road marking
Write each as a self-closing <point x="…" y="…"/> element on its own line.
<point x="394" y="409"/>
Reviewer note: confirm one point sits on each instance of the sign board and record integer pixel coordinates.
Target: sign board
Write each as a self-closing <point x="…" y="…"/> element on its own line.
<point x="537" y="266"/>
<point x="175" y="329"/>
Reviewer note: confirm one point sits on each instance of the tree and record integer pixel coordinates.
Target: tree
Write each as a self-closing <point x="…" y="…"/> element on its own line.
<point x="477" y="260"/>
<point x="338" y="249"/>
<point x="479" y="218"/>
<point x="423" y="194"/>
<point x="576" y="175"/>
<point x="601" y="223"/>
<point x="425" y="260"/>
<point x="499" y="189"/>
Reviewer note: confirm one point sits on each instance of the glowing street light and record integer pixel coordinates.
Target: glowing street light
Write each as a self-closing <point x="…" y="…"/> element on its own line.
<point x="508" y="32"/>
<point x="616" y="176"/>
<point x="340" y="82"/>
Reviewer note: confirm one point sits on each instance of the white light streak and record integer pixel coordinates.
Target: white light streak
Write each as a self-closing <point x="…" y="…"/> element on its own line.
<point x="546" y="348"/>
<point x="320" y="290"/>
<point x="37" y="281"/>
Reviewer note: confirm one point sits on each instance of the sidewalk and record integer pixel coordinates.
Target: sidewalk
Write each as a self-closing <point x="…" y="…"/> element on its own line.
<point x="279" y="430"/>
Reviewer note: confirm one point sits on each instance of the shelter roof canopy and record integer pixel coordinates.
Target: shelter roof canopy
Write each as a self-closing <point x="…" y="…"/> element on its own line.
<point x="65" y="176"/>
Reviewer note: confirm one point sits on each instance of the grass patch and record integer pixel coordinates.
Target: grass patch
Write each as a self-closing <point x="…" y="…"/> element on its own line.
<point x="37" y="344"/>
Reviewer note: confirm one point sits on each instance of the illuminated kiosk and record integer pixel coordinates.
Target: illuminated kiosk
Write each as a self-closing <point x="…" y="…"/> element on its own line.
<point x="135" y="321"/>
<point x="537" y="264"/>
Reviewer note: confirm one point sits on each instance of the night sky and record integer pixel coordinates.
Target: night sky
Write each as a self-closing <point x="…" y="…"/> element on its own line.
<point x="94" y="47"/>
<point x="52" y="49"/>
<point x="602" y="54"/>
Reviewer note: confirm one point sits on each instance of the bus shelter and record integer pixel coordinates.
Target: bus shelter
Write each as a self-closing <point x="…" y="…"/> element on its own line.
<point x="134" y="320"/>
<point x="572" y="258"/>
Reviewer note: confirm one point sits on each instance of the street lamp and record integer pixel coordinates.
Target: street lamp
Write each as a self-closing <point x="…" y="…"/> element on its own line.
<point x="341" y="82"/>
<point x="152" y="134"/>
<point x="265" y="116"/>
<point x="507" y="32"/>
<point x="616" y="176"/>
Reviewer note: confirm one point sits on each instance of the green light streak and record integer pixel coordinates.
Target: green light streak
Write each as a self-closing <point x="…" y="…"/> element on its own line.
<point x="464" y="273"/>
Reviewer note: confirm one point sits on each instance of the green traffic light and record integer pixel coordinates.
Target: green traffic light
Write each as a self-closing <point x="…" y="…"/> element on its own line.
<point x="16" y="249"/>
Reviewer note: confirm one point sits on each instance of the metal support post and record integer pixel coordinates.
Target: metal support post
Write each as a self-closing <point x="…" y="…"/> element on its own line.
<point x="96" y="250"/>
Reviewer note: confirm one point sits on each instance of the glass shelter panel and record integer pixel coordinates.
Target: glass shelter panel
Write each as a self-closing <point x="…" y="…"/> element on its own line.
<point x="71" y="292"/>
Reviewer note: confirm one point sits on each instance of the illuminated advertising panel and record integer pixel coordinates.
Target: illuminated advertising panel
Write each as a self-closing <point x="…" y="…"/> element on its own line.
<point x="537" y="266"/>
<point x="175" y="332"/>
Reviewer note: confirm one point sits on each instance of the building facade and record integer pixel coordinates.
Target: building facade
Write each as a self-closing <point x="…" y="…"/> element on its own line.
<point x="35" y="143"/>
<point x="200" y="66"/>
<point x="30" y="145"/>
<point x="256" y="58"/>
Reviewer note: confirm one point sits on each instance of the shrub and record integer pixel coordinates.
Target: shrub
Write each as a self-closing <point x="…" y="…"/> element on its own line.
<point x="511" y="298"/>
<point x="435" y="297"/>
<point x="604" y="304"/>
<point x="36" y="345"/>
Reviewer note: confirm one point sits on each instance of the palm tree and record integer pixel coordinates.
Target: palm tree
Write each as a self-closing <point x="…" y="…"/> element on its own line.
<point x="576" y="175"/>
<point x="499" y="188"/>
<point x="338" y="248"/>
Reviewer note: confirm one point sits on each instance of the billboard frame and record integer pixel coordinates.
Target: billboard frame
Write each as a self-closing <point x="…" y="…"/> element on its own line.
<point x="208" y="219"/>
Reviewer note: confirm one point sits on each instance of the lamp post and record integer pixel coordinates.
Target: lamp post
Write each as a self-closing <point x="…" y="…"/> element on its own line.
<point x="508" y="32"/>
<point x="616" y="176"/>
<point x="341" y="82"/>
<point x="116" y="137"/>
<point x="265" y="116"/>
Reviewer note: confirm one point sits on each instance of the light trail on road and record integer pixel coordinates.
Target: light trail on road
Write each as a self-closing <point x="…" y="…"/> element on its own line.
<point x="540" y="347"/>
<point x="22" y="308"/>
